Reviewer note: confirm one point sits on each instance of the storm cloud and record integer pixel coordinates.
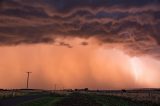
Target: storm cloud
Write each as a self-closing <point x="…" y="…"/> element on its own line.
<point x="135" y="24"/>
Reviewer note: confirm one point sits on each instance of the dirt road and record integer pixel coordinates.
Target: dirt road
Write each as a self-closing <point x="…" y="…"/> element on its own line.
<point x="17" y="100"/>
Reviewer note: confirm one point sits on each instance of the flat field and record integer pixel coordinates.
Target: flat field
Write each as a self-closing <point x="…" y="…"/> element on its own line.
<point x="83" y="98"/>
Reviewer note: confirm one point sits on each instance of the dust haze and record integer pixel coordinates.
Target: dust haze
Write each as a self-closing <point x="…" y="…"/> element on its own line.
<point x="77" y="66"/>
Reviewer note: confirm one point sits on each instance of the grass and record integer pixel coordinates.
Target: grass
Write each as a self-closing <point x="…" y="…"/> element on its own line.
<point x="45" y="101"/>
<point x="85" y="100"/>
<point x="77" y="99"/>
<point x="10" y="95"/>
<point x="119" y="101"/>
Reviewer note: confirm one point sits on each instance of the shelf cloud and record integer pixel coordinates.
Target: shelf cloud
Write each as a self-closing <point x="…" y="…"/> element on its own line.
<point x="132" y="23"/>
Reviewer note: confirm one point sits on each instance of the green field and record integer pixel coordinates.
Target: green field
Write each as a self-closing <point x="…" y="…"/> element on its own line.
<point x="119" y="101"/>
<point x="45" y="101"/>
<point x="79" y="99"/>
<point x="11" y="94"/>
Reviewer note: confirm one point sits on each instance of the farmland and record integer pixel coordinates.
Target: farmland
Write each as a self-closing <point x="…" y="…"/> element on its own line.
<point x="84" y="98"/>
<point x="151" y="95"/>
<point x="4" y="94"/>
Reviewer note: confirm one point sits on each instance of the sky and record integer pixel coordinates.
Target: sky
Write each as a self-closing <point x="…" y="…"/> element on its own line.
<point x="98" y="44"/>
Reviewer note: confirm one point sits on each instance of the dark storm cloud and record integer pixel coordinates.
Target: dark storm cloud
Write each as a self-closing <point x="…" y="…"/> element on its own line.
<point x="63" y="5"/>
<point x="133" y="23"/>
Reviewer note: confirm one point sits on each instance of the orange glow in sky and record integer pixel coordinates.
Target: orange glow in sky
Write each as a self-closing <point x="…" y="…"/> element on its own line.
<point x="92" y="66"/>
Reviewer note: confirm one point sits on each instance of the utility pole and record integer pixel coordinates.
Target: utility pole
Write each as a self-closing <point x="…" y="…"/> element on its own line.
<point x="28" y="73"/>
<point x="55" y="87"/>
